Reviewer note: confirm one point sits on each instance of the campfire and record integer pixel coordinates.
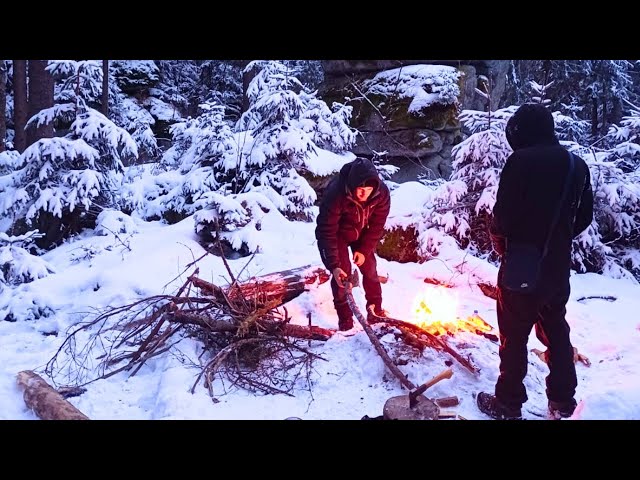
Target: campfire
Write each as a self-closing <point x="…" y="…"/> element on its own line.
<point x="436" y="311"/>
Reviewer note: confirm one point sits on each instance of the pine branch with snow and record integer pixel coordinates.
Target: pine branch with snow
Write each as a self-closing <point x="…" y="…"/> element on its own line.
<point x="17" y="264"/>
<point x="462" y="207"/>
<point x="203" y="159"/>
<point x="616" y="229"/>
<point x="233" y="220"/>
<point x="285" y="121"/>
<point x="80" y="82"/>
<point x="625" y="139"/>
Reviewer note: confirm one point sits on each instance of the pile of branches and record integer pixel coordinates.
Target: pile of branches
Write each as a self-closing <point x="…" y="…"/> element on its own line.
<point x="246" y="333"/>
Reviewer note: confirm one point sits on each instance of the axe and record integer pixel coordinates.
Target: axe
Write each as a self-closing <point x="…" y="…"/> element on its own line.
<point x="352" y="280"/>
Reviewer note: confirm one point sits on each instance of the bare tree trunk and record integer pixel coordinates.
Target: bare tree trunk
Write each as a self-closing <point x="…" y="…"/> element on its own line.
<point x="616" y="111"/>
<point x="40" y="97"/>
<point x="247" y="76"/>
<point x="105" y="88"/>
<point x="594" y="117"/>
<point x="3" y="104"/>
<point x="20" y="104"/>
<point x="44" y="400"/>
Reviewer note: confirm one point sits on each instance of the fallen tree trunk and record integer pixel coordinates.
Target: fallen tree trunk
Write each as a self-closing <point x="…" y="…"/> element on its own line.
<point x="283" y="286"/>
<point x="44" y="400"/>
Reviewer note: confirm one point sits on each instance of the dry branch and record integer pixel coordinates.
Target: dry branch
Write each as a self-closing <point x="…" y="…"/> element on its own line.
<point x="247" y="321"/>
<point x="430" y="341"/>
<point x="44" y="400"/>
<point x="374" y="340"/>
<point x="608" y="298"/>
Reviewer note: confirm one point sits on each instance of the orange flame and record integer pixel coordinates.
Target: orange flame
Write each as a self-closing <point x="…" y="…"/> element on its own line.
<point x="435" y="310"/>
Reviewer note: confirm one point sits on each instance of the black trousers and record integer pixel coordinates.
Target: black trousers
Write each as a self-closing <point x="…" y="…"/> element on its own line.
<point x="370" y="281"/>
<point x="517" y="314"/>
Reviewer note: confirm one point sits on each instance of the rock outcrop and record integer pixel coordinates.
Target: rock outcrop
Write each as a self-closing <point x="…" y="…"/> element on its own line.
<point x="407" y="110"/>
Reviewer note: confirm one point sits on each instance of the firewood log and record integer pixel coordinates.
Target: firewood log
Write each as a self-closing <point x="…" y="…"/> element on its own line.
<point x="44" y="400"/>
<point x="283" y="286"/>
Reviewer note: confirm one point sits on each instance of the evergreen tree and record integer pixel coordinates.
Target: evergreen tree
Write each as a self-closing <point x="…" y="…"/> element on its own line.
<point x="196" y="165"/>
<point x="284" y="120"/>
<point x="462" y="207"/>
<point x="60" y="184"/>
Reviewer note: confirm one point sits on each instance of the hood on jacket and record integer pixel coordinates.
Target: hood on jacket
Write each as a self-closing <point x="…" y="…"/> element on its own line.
<point x="532" y="124"/>
<point x="357" y="173"/>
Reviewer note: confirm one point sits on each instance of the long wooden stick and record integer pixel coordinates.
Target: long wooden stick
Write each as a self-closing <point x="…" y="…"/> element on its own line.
<point x="374" y="340"/>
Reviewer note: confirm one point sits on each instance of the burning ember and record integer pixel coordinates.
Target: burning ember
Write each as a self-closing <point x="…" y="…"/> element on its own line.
<point x="435" y="310"/>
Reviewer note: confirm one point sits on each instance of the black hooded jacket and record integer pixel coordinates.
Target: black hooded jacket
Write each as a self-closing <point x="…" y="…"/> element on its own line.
<point x="344" y="219"/>
<point x="531" y="186"/>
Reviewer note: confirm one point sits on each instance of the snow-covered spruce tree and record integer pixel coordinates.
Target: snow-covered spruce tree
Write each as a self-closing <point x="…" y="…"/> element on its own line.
<point x="18" y="266"/>
<point x="128" y="111"/>
<point x="191" y="169"/>
<point x="462" y="206"/>
<point x="60" y="184"/>
<point x="626" y="140"/>
<point x="189" y="83"/>
<point x="568" y="127"/>
<point x="283" y="122"/>
<point x="609" y="245"/>
<point x="233" y="223"/>
<point x="597" y="88"/>
<point x="276" y="138"/>
<point x="83" y="80"/>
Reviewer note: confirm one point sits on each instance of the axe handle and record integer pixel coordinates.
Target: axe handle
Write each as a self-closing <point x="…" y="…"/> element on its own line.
<point x="447" y="373"/>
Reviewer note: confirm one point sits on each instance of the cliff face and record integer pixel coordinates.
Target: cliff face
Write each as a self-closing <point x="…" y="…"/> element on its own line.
<point x="406" y="110"/>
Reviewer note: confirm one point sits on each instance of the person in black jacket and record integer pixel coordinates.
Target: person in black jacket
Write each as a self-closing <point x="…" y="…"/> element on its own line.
<point x="353" y="211"/>
<point x="531" y="186"/>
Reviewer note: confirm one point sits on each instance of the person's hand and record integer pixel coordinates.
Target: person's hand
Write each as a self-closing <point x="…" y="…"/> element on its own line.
<point x="339" y="275"/>
<point x="358" y="258"/>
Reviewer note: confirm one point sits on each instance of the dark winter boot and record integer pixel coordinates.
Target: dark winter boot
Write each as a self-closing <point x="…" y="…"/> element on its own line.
<point x="490" y="405"/>
<point x="560" y="410"/>
<point x="378" y="312"/>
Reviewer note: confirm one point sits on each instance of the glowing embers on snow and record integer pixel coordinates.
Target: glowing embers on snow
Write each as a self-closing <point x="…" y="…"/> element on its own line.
<point x="435" y="310"/>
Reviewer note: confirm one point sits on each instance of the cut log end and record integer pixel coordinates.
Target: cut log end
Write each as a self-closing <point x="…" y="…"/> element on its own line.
<point x="398" y="408"/>
<point x="44" y="400"/>
<point x="447" y="402"/>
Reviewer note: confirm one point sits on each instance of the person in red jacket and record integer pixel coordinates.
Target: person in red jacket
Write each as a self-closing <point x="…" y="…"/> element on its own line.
<point x="531" y="188"/>
<point x="353" y="211"/>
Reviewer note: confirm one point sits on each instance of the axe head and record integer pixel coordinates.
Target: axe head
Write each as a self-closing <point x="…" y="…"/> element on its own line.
<point x="354" y="279"/>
